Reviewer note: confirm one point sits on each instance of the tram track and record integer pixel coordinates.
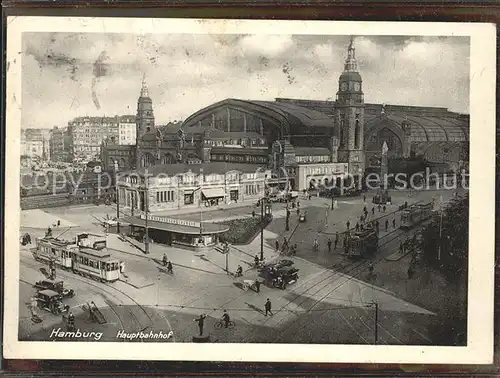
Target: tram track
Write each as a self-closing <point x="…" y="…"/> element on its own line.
<point x="352" y="272"/>
<point x="89" y="282"/>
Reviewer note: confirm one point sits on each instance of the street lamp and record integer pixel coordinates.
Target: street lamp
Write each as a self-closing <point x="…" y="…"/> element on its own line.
<point x="145" y="190"/>
<point x="267" y="213"/>
<point x="117" y="194"/>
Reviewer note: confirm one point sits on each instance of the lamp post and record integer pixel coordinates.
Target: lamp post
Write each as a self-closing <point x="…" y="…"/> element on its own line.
<point x="262" y="229"/>
<point x="145" y="190"/>
<point x="117" y="199"/>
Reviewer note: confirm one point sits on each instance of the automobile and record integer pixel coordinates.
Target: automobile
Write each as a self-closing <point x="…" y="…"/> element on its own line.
<point x="57" y="286"/>
<point x="51" y="301"/>
<point x="285" y="276"/>
<point x="276" y="265"/>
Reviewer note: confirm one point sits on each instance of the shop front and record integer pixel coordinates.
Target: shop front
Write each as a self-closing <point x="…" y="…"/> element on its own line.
<point x="191" y="235"/>
<point x="213" y="196"/>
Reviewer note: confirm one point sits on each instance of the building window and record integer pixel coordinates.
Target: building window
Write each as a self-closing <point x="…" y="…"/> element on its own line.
<point x="188" y="198"/>
<point x="165" y="196"/>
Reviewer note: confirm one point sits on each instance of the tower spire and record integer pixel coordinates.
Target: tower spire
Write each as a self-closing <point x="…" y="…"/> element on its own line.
<point x="144" y="88"/>
<point x="351" y="64"/>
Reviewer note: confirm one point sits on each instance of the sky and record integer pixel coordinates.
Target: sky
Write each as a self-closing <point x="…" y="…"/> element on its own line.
<point x="67" y="75"/>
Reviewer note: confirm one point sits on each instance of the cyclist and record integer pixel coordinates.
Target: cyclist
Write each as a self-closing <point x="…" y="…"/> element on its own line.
<point x="226" y="319"/>
<point x="165" y="259"/>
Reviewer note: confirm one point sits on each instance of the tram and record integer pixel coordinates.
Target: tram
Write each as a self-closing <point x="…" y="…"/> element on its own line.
<point x="361" y="243"/>
<point x="86" y="255"/>
<point x="415" y="214"/>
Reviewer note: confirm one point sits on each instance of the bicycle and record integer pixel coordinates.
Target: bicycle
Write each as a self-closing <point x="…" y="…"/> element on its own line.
<point x="222" y="324"/>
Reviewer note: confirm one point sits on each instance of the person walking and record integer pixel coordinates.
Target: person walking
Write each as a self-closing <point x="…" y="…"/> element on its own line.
<point x="201" y="321"/>
<point x="379" y="207"/>
<point x="267" y="306"/>
<point x="336" y="242"/>
<point x="386" y="225"/>
<point x="384" y="208"/>
<point x="256" y="260"/>
<point x="257" y="286"/>
<point x="277" y="244"/>
<point x="357" y="227"/>
<point x="170" y="268"/>
<point x="377" y="225"/>
<point x="253" y="213"/>
<point x="373" y="210"/>
<point x="329" y="245"/>
<point x="394" y="223"/>
<point x="370" y="268"/>
<point x="401" y="247"/>
<point x="364" y="199"/>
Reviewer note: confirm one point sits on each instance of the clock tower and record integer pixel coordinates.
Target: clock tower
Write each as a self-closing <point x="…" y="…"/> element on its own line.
<point x="350" y="114"/>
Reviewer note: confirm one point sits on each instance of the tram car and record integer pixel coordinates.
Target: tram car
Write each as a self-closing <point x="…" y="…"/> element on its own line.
<point x="361" y="243"/>
<point x="415" y="214"/>
<point x="86" y="255"/>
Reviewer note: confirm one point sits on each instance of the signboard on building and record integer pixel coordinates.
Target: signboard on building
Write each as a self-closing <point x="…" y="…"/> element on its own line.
<point x="178" y="222"/>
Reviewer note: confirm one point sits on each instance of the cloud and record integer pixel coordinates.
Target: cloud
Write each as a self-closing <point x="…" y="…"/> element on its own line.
<point x="187" y="72"/>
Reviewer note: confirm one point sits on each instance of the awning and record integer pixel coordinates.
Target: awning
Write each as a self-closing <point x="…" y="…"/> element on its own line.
<point x="214" y="193"/>
<point x="207" y="228"/>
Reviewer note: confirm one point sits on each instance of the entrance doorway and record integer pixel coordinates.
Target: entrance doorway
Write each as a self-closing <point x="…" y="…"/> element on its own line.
<point x="233" y="195"/>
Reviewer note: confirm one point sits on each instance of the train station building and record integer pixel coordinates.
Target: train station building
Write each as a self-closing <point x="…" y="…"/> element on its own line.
<point x="296" y="136"/>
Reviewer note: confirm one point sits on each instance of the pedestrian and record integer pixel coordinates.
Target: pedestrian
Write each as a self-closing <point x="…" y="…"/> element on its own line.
<point x="315" y="244"/>
<point x="348" y="224"/>
<point x="364" y="209"/>
<point x="298" y="211"/>
<point x="58" y="223"/>
<point x="401" y="247"/>
<point x="49" y="232"/>
<point x="379" y="207"/>
<point x="384" y="208"/>
<point x="357" y="227"/>
<point x="122" y="267"/>
<point x="361" y="227"/>
<point x="377" y="225"/>
<point x="386" y="225"/>
<point x="373" y="210"/>
<point x="336" y="242"/>
<point x="370" y="268"/>
<point x="394" y="223"/>
<point x="277" y="244"/>
<point x="170" y="268"/>
<point x="71" y="320"/>
<point x="256" y="260"/>
<point x="239" y="271"/>
<point x="267" y="306"/>
<point x="329" y="245"/>
<point x="257" y="286"/>
<point x="410" y="273"/>
<point x="364" y="199"/>
<point x="253" y="213"/>
<point x="201" y="321"/>
<point x="298" y="205"/>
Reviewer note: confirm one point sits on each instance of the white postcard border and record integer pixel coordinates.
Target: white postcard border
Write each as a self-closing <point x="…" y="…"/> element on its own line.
<point x="482" y="199"/>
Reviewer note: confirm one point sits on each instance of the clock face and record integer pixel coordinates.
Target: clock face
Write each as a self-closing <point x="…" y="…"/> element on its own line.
<point x="357" y="86"/>
<point x="343" y="86"/>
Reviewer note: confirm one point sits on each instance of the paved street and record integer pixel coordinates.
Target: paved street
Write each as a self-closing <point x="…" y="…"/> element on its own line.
<point x="332" y="302"/>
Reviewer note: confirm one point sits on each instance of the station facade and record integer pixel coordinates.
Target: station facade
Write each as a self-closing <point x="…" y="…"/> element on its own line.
<point x="169" y="187"/>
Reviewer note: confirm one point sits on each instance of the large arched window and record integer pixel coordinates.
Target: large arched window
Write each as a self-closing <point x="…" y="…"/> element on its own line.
<point x="168" y="159"/>
<point x="147" y="160"/>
